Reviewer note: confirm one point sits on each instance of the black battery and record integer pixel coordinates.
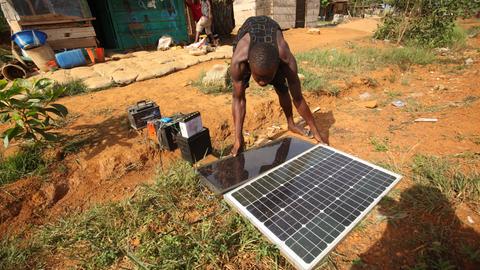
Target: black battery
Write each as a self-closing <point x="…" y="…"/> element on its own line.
<point x="166" y="135"/>
<point x="196" y="147"/>
<point x="140" y="113"/>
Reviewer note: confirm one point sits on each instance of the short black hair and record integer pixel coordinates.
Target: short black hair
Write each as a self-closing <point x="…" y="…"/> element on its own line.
<point x="263" y="55"/>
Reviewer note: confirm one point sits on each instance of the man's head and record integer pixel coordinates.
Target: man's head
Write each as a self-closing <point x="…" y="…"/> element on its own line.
<point x="263" y="59"/>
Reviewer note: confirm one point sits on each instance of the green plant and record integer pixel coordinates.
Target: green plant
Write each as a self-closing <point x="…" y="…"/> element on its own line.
<point x="379" y="145"/>
<point x="213" y="88"/>
<point x="27" y="108"/>
<point x="73" y="87"/>
<point x="447" y="177"/>
<point x="28" y="160"/>
<point x="427" y="23"/>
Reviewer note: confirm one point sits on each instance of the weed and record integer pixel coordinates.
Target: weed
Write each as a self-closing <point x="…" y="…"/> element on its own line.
<point x="103" y="111"/>
<point x="469" y="100"/>
<point x="313" y="82"/>
<point x="27" y="161"/>
<point x="442" y="174"/>
<point x="393" y="94"/>
<point x="175" y="223"/>
<point x="379" y="145"/>
<point x="473" y="31"/>
<point x="74" y="146"/>
<point x="405" y="82"/>
<point x="392" y="78"/>
<point x="475" y="139"/>
<point x="73" y="87"/>
<point x="470" y="253"/>
<point x="13" y="257"/>
<point x="358" y="262"/>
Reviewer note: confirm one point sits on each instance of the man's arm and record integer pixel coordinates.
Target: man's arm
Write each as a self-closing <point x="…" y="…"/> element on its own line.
<point x="239" y="102"/>
<point x="289" y="67"/>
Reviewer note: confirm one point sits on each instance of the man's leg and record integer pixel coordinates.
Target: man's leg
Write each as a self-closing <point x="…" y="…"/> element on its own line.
<point x="286" y="104"/>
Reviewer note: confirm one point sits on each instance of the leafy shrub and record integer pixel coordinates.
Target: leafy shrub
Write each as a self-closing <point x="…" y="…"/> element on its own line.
<point x="27" y="108"/>
<point x="27" y="161"/>
<point x="425" y="22"/>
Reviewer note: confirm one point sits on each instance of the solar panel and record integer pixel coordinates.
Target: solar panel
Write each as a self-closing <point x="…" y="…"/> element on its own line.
<point x="226" y="174"/>
<point x="308" y="204"/>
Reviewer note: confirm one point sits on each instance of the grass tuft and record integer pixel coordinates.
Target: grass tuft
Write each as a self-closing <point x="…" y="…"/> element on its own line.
<point x="27" y="161"/>
<point x="74" y="87"/>
<point x="447" y="177"/>
<point x="174" y="223"/>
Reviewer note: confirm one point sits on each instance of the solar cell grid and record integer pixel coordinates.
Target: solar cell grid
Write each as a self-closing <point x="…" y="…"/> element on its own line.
<point x="309" y="203"/>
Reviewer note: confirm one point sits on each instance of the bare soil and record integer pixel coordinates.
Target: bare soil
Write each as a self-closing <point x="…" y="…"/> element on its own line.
<point x="112" y="160"/>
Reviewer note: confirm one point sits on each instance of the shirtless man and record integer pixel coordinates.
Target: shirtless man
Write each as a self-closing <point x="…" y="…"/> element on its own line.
<point x="261" y="51"/>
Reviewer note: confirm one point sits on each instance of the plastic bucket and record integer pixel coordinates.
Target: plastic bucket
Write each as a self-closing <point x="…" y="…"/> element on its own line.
<point x="70" y="59"/>
<point x="29" y="39"/>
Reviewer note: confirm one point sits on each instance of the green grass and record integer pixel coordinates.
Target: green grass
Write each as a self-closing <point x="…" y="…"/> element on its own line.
<point x="174" y="223"/>
<point x="446" y="176"/>
<point x="27" y="161"/>
<point x="473" y="31"/>
<point x="379" y="145"/>
<point x="74" y="87"/>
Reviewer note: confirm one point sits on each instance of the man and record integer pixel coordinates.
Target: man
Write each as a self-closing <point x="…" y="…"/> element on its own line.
<point x="205" y="22"/>
<point x="261" y="51"/>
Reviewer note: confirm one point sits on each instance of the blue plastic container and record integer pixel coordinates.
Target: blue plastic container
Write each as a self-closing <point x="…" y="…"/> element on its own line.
<point x="29" y="39"/>
<point x="70" y="59"/>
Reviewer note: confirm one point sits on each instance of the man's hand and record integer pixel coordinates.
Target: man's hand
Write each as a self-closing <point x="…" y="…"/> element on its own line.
<point x="238" y="147"/>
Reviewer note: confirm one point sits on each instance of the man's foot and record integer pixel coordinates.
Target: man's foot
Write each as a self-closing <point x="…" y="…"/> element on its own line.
<point x="237" y="148"/>
<point x="298" y="130"/>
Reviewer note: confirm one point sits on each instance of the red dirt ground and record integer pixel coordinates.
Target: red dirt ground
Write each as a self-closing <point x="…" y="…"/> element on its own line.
<point x="115" y="160"/>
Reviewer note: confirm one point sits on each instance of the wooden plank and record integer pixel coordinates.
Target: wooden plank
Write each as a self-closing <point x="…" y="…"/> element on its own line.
<point x="73" y="43"/>
<point x="57" y="21"/>
<point x="68" y="33"/>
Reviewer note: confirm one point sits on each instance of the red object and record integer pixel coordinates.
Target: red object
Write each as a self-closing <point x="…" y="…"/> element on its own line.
<point x="195" y="8"/>
<point x="100" y="52"/>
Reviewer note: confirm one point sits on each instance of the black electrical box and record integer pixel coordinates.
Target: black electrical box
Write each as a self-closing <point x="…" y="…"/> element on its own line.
<point x="140" y="113"/>
<point x="196" y="147"/>
<point x="166" y="135"/>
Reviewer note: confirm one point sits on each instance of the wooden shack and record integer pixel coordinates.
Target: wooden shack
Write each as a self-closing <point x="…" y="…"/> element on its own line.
<point x="68" y="23"/>
<point x="288" y="13"/>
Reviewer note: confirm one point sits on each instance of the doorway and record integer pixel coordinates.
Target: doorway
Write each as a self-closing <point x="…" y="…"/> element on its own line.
<point x="300" y="14"/>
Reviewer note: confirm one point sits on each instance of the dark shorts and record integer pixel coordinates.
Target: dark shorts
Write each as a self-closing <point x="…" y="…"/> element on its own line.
<point x="279" y="82"/>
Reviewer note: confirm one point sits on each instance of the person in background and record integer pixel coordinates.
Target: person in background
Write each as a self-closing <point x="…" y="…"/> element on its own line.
<point x="196" y="9"/>
<point x="205" y="22"/>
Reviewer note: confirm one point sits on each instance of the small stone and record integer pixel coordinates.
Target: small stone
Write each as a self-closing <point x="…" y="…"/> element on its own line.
<point x="301" y="76"/>
<point x="469" y="61"/>
<point x="365" y="96"/>
<point x="440" y="87"/>
<point x="218" y="75"/>
<point x="314" y="31"/>
<point x="370" y="104"/>
<point x="470" y="220"/>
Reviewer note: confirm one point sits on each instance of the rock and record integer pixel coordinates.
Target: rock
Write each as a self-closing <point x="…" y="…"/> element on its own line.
<point x="440" y="87"/>
<point x="365" y="96"/>
<point x="469" y="62"/>
<point x="124" y="77"/>
<point x="218" y="75"/>
<point x="164" y="43"/>
<point x="470" y="220"/>
<point x="82" y="73"/>
<point x="313" y="31"/>
<point x="98" y="82"/>
<point x="180" y="65"/>
<point x="399" y="103"/>
<point x="370" y="104"/>
<point x="301" y="76"/>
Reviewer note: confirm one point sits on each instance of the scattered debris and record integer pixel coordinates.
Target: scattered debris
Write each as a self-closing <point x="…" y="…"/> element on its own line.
<point x="164" y="43"/>
<point x="469" y="61"/>
<point x="399" y="103"/>
<point x="314" y="31"/>
<point x="440" y="87"/>
<point x="432" y="120"/>
<point x="365" y="96"/>
<point x="470" y="220"/>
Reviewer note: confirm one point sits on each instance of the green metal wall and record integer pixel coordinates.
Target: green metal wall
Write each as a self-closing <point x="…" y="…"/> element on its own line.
<point x="158" y="17"/>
